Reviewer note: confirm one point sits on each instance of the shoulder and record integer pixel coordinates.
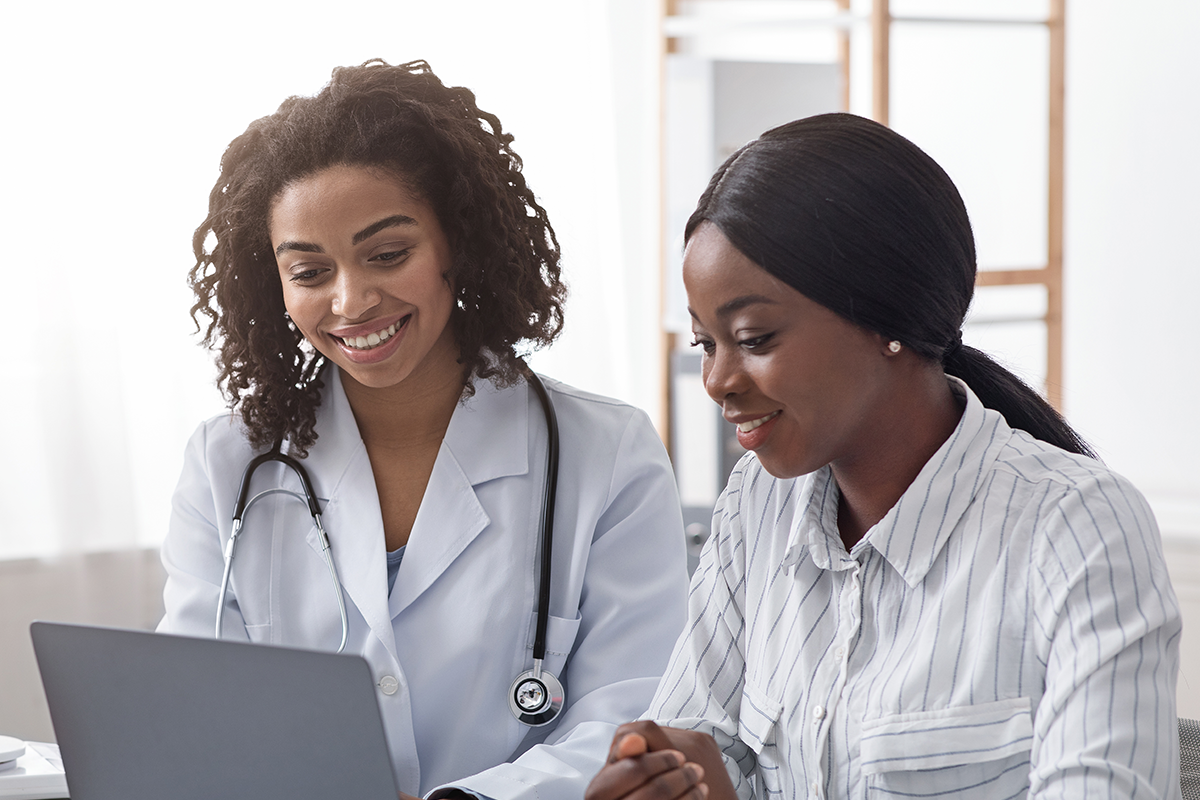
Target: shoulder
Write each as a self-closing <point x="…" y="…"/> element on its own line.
<point x="1054" y="476"/>
<point x="600" y="423"/>
<point x="584" y="402"/>
<point x="1081" y="512"/>
<point x="219" y="440"/>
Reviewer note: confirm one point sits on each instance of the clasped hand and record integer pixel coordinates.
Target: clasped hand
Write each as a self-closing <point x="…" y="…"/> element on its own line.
<point x="651" y="762"/>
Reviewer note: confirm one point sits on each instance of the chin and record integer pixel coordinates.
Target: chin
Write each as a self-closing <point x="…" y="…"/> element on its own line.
<point x="786" y="468"/>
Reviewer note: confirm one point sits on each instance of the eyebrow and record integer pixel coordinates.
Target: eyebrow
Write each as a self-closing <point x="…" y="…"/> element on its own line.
<point x="358" y="238"/>
<point x="737" y="304"/>
<point x="374" y="228"/>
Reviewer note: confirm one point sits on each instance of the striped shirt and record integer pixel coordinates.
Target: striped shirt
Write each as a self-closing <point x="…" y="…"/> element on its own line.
<point x="1008" y="630"/>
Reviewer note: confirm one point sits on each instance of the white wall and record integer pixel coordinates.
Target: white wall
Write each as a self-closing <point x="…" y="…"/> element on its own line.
<point x="1133" y="267"/>
<point x="116" y="117"/>
<point x="1132" y="256"/>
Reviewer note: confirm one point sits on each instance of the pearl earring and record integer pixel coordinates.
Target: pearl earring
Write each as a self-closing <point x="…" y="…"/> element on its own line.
<point x="893" y="346"/>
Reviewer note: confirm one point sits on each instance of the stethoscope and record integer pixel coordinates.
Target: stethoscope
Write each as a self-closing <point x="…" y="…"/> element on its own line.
<point x="536" y="696"/>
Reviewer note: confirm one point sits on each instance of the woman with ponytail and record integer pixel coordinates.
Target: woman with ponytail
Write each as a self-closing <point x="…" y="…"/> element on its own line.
<point x="921" y="582"/>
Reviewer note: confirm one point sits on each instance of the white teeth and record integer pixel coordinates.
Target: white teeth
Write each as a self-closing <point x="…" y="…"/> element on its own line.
<point x="371" y="340"/>
<point x="746" y="427"/>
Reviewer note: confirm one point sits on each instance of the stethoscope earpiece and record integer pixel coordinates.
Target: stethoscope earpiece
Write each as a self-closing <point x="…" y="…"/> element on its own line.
<point x="536" y="697"/>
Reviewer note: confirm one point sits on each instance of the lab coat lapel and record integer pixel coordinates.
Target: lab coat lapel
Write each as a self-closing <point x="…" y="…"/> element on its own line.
<point x="342" y="477"/>
<point x="487" y="439"/>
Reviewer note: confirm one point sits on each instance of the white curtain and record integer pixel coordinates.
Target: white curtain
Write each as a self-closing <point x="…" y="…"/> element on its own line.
<point x="116" y="116"/>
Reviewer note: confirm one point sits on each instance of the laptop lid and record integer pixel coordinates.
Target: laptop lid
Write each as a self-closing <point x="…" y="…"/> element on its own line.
<point x="147" y="716"/>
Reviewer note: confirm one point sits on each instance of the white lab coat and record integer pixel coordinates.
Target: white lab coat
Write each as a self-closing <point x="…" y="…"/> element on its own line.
<point x="459" y="625"/>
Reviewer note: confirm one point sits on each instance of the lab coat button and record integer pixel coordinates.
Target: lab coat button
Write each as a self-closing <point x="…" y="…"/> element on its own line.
<point x="388" y="685"/>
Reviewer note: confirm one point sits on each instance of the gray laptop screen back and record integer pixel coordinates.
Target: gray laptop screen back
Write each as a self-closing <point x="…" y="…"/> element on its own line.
<point x="147" y="716"/>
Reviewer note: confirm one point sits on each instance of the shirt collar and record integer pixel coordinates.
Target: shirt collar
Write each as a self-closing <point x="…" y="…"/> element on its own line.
<point x="913" y="532"/>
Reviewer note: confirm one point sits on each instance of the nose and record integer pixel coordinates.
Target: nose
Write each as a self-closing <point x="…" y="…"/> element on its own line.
<point x="354" y="294"/>
<point x="723" y="374"/>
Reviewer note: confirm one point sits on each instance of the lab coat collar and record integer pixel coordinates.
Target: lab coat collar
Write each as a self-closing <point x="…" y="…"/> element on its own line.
<point x="487" y="439"/>
<point x="489" y="432"/>
<point x="338" y="440"/>
<point x="338" y="465"/>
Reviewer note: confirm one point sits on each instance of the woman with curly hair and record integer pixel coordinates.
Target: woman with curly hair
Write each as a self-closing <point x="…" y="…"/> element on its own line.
<point x="372" y="267"/>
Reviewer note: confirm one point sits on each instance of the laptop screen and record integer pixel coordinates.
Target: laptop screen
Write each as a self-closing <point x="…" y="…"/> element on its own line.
<point x="143" y="716"/>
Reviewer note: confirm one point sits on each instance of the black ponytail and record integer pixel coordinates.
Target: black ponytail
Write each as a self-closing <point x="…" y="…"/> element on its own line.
<point x="862" y="221"/>
<point x="1021" y="406"/>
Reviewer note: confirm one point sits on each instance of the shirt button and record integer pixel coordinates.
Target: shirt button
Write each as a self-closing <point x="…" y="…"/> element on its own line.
<point x="388" y="685"/>
<point x="840" y="653"/>
<point x="818" y="712"/>
<point x="816" y="789"/>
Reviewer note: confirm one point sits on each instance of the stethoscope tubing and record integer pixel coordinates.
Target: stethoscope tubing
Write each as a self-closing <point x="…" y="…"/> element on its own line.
<point x="242" y="505"/>
<point x="546" y="685"/>
<point x="546" y="524"/>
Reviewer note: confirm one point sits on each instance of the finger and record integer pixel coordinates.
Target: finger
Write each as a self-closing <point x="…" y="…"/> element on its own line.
<point x="630" y="745"/>
<point x="657" y="737"/>
<point x="649" y="732"/>
<point x="674" y="784"/>
<point x="660" y="775"/>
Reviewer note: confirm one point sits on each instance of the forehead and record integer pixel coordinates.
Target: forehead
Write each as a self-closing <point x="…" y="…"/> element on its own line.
<point x="342" y="194"/>
<point x="715" y="272"/>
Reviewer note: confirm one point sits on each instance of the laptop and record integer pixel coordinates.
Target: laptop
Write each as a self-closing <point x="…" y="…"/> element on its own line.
<point x="147" y="716"/>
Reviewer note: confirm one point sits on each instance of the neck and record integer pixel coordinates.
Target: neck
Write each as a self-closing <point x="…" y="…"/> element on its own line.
<point x="412" y="414"/>
<point x="916" y="420"/>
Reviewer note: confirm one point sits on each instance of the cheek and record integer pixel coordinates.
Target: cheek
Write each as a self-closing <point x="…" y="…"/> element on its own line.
<point x="299" y="307"/>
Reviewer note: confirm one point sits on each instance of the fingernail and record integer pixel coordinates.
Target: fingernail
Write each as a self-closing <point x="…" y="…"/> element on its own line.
<point x="696" y="772"/>
<point x="703" y="787"/>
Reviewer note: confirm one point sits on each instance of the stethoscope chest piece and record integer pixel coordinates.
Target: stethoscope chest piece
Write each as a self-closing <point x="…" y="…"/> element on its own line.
<point x="536" y="698"/>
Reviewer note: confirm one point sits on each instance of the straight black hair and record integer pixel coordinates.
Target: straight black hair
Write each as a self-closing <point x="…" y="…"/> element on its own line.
<point x="859" y="219"/>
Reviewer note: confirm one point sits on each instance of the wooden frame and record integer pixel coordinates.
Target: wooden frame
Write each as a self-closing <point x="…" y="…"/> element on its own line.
<point x="1050" y="275"/>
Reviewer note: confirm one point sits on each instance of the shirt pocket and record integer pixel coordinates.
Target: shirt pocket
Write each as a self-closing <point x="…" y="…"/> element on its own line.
<point x="963" y="752"/>
<point x="758" y="729"/>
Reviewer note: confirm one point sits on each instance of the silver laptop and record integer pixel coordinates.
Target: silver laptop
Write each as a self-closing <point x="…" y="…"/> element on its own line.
<point x="148" y="716"/>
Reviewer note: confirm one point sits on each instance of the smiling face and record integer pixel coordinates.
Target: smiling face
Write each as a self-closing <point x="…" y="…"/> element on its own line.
<point x="362" y="262"/>
<point x="804" y="386"/>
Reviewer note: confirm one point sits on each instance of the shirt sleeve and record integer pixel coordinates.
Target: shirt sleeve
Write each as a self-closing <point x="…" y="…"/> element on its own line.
<point x="1106" y="725"/>
<point x="632" y="608"/>
<point x="702" y="688"/>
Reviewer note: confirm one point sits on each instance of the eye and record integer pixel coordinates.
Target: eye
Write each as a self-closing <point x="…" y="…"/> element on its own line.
<point x="706" y="345"/>
<point x="756" y="342"/>
<point x="390" y="257"/>
<point x="308" y="276"/>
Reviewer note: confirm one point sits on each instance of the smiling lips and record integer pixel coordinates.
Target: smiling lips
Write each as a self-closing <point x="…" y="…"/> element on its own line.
<point x="746" y="427"/>
<point x="373" y="340"/>
<point x="753" y="434"/>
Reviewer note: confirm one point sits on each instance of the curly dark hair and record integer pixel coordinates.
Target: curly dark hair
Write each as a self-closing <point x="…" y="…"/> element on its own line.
<point x="504" y="270"/>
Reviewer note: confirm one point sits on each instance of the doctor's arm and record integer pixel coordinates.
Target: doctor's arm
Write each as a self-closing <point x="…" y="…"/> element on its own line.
<point x="632" y="609"/>
<point x="192" y="552"/>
